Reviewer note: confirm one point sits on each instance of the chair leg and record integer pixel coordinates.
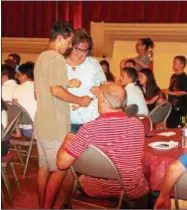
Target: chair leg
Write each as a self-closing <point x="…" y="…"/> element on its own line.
<point x="6" y="176"/>
<point x="16" y="178"/>
<point x="6" y="185"/>
<point x="176" y="203"/>
<point x="2" y="195"/>
<point x="27" y="158"/>
<point x="19" y="156"/>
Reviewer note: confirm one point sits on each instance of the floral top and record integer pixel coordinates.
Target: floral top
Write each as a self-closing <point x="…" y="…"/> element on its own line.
<point x="144" y="59"/>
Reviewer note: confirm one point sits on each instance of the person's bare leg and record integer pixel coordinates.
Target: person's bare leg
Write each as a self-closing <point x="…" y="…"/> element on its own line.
<point x="53" y="186"/>
<point x="42" y="178"/>
<point x="68" y="188"/>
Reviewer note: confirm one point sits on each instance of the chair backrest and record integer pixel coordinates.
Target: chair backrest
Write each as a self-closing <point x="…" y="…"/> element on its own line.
<point x="131" y="110"/>
<point x="14" y="108"/>
<point x="160" y="113"/>
<point x="93" y="162"/>
<point x="180" y="189"/>
<point x="146" y="121"/>
<point x="11" y="127"/>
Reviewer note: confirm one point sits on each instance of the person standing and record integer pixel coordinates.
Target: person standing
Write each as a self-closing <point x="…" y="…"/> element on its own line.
<point x="87" y="70"/>
<point x="52" y="119"/>
<point x="177" y="93"/>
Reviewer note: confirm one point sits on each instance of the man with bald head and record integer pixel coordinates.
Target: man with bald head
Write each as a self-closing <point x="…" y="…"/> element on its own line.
<point x="118" y="136"/>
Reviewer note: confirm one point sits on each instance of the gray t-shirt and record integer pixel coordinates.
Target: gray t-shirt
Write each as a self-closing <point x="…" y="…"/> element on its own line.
<point x="52" y="119"/>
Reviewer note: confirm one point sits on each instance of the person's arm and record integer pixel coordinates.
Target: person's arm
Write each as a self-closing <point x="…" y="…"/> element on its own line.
<point x="72" y="148"/>
<point x="65" y="160"/>
<point x="62" y="94"/>
<point x="173" y="174"/>
<point x="58" y="82"/>
<point x="153" y="100"/>
<point x="175" y="93"/>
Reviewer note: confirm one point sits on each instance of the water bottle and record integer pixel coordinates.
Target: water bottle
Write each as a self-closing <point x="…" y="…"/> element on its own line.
<point x="184" y="137"/>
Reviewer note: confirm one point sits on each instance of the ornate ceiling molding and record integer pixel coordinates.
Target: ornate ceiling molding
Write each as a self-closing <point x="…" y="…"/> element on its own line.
<point x="104" y="34"/>
<point x="24" y="45"/>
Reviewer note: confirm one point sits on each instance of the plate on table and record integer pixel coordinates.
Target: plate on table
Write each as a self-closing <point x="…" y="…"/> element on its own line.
<point x="163" y="145"/>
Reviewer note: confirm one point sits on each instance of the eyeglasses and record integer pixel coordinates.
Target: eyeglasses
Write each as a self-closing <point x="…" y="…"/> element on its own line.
<point x="81" y="50"/>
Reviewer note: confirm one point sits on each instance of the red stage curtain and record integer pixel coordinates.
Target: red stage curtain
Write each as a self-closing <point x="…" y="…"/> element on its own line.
<point x="35" y="18"/>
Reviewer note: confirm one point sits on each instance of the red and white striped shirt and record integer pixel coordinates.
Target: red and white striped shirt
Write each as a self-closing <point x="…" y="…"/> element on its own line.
<point x="122" y="139"/>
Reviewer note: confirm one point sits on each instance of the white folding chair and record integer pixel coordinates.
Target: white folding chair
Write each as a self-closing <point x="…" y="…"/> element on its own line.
<point x="131" y="110"/>
<point x="12" y="109"/>
<point x="93" y="162"/>
<point x="160" y="113"/>
<point x="180" y="189"/>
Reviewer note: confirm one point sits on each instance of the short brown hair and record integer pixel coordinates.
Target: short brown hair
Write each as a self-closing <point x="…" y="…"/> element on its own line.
<point x="182" y="59"/>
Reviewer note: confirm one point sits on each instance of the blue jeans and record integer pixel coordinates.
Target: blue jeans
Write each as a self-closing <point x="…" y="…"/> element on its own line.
<point x="75" y="128"/>
<point x="27" y="132"/>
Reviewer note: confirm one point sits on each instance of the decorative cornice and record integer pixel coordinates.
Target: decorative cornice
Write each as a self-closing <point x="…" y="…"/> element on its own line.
<point x="24" y="45"/>
<point x="104" y="34"/>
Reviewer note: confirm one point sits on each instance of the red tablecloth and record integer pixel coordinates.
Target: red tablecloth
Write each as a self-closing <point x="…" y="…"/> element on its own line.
<point x="156" y="162"/>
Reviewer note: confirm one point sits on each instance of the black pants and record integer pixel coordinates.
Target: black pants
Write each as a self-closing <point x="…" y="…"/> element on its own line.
<point x="144" y="202"/>
<point x="174" y="119"/>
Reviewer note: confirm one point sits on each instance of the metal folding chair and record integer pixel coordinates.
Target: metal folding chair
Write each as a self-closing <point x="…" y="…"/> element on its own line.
<point x="12" y="109"/>
<point x="180" y="189"/>
<point x="131" y="110"/>
<point x="93" y="162"/>
<point x="160" y="113"/>
<point x="146" y="121"/>
<point x="6" y="161"/>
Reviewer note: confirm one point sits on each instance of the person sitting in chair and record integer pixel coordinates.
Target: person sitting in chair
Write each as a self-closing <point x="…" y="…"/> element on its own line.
<point x="117" y="136"/>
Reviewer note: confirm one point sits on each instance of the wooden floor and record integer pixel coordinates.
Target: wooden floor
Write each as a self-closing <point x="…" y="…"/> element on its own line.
<point x="29" y="199"/>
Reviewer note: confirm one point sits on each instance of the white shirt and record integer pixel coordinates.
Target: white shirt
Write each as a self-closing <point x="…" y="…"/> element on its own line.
<point x="24" y="94"/>
<point x="90" y="73"/>
<point x="135" y="96"/>
<point x="7" y="89"/>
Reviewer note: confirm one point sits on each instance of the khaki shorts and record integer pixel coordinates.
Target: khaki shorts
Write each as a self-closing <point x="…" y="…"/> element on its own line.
<point x="47" y="152"/>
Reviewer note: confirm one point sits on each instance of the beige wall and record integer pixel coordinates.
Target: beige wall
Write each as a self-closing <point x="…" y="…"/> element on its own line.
<point x="163" y="54"/>
<point x="163" y="57"/>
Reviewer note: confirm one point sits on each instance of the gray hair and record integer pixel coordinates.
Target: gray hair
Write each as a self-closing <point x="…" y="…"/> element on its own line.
<point x="116" y="96"/>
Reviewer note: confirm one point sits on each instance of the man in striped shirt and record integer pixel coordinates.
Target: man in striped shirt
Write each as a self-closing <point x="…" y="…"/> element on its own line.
<point x="120" y="137"/>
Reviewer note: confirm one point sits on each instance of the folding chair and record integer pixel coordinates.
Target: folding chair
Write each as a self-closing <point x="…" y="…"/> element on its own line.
<point x="180" y="189"/>
<point x="131" y="110"/>
<point x="12" y="109"/>
<point x="160" y="114"/>
<point x="6" y="159"/>
<point x="146" y="121"/>
<point x="93" y="162"/>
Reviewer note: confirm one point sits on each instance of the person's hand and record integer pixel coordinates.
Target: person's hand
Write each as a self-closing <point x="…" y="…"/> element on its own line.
<point x="85" y="101"/>
<point x="162" y="203"/>
<point x="75" y="106"/>
<point x="74" y="83"/>
<point x="95" y="90"/>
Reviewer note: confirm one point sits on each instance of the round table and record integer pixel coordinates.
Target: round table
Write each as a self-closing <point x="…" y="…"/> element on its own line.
<point x="156" y="162"/>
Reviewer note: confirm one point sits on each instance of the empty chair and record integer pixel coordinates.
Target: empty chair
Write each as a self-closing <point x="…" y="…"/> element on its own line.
<point x="146" y="121"/>
<point x="6" y="158"/>
<point x="180" y="189"/>
<point x="12" y="109"/>
<point x="160" y="113"/>
<point x="101" y="167"/>
<point x="131" y="110"/>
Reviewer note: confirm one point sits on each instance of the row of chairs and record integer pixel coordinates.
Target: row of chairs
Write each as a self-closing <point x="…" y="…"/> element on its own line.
<point x="158" y="115"/>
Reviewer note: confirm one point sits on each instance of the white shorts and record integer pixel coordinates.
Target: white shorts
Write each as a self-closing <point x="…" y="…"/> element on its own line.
<point x="47" y="152"/>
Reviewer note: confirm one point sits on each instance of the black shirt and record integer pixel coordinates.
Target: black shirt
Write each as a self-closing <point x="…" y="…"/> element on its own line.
<point x="178" y="82"/>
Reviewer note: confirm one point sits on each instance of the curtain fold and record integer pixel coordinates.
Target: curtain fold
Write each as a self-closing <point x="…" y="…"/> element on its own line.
<point x="35" y="18"/>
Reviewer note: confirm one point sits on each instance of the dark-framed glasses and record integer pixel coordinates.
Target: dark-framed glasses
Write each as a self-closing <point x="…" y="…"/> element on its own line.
<point x="81" y="50"/>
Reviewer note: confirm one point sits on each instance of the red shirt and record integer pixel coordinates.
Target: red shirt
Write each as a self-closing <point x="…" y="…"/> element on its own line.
<point x="122" y="139"/>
